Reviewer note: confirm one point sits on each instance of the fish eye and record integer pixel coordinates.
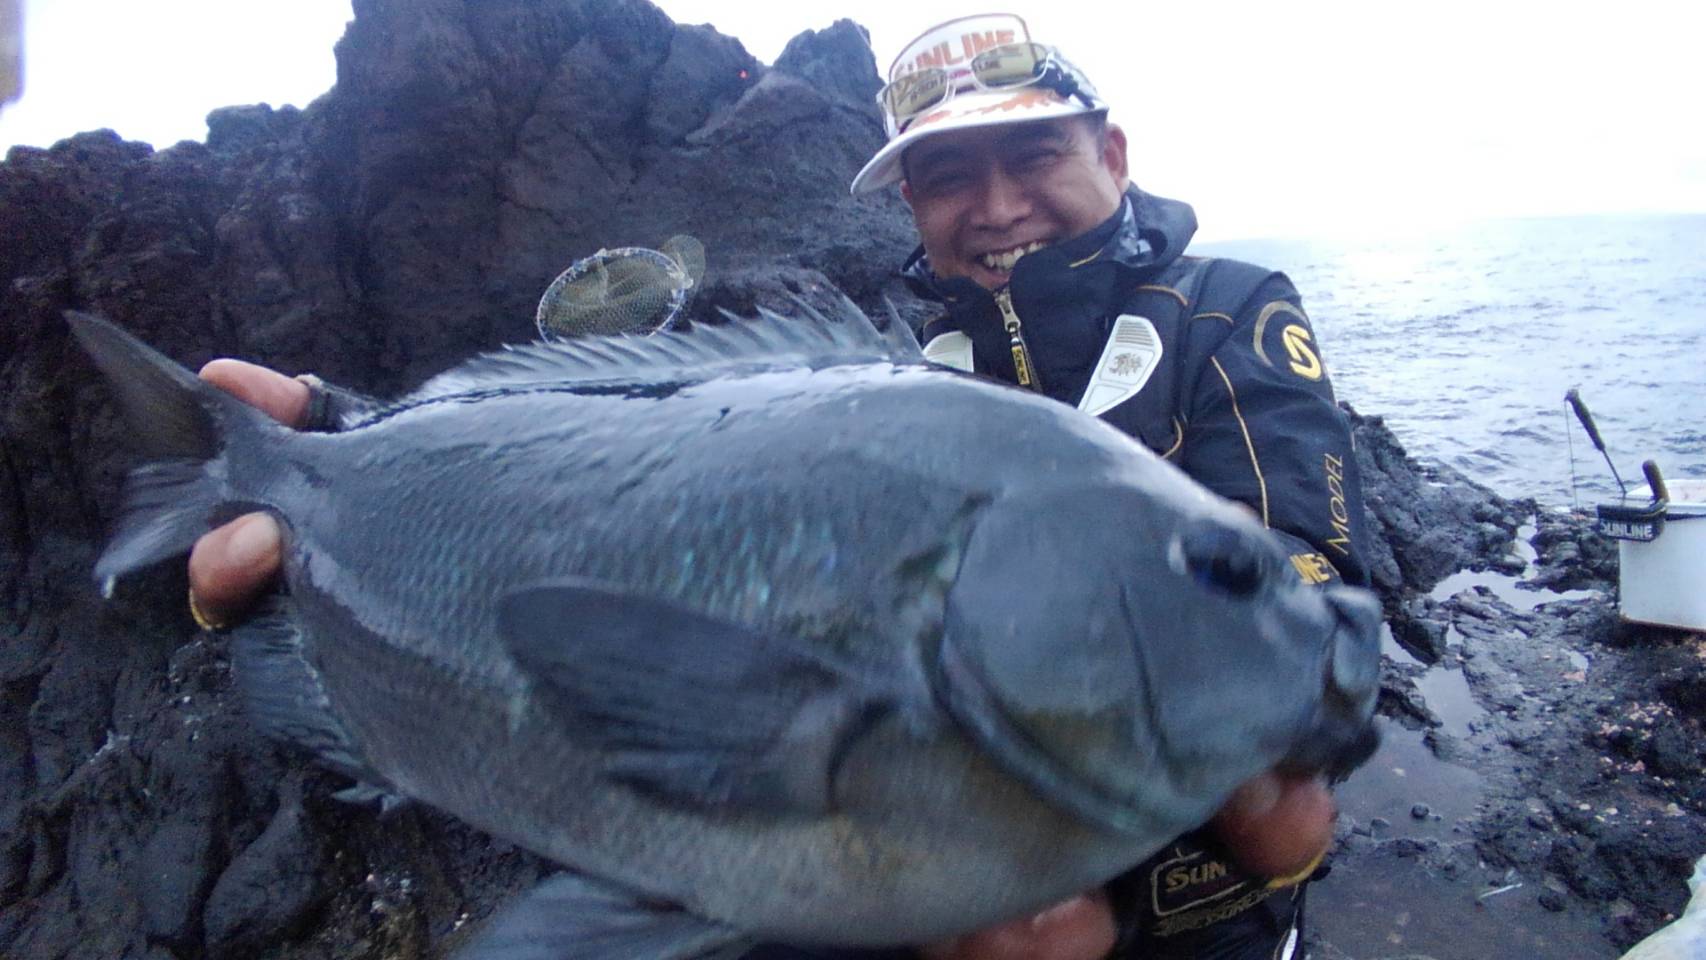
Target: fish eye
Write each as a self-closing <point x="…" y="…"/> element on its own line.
<point x="1223" y="558"/>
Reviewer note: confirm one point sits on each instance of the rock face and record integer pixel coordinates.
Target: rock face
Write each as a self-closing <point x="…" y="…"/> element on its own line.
<point x="1428" y="521"/>
<point x="408" y="218"/>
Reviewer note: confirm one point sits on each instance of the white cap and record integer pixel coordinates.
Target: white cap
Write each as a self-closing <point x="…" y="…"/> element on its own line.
<point x="951" y="46"/>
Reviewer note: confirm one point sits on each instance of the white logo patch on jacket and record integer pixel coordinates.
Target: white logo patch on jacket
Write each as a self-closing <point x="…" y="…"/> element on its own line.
<point x="1128" y="361"/>
<point x="951" y="349"/>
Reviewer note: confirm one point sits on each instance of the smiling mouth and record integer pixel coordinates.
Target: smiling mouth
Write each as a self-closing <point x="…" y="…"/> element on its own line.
<point x="1004" y="260"/>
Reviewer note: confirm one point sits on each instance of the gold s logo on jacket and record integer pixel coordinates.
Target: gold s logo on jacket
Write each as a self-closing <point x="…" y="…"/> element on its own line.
<point x="1295" y="339"/>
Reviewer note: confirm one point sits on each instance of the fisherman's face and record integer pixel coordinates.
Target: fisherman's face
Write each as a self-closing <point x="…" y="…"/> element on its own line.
<point x="983" y="196"/>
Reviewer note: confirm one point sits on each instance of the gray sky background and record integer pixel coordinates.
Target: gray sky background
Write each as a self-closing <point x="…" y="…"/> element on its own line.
<point x="1273" y="119"/>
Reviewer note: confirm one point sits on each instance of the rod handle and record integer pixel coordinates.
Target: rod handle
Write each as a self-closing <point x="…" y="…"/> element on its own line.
<point x="1582" y="414"/>
<point x="1655" y="482"/>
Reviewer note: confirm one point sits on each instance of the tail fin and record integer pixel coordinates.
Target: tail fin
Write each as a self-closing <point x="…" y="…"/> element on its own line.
<point x="181" y="423"/>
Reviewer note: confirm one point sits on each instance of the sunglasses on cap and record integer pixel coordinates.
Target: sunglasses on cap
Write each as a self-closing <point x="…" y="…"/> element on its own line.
<point x="1004" y="67"/>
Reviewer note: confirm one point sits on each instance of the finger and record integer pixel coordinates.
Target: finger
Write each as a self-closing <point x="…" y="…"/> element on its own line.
<point x="1081" y="928"/>
<point x="231" y="565"/>
<point x="283" y="398"/>
<point x="1278" y="826"/>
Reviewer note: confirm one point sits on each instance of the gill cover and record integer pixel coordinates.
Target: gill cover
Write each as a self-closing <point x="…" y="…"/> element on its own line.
<point x="1175" y="657"/>
<point x="1038" y="662"/>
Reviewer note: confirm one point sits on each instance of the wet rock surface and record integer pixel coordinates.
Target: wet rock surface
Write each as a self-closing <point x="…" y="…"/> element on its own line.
<point x="411" y="217"/>
<point x="1563" y="746"/>
<point x="1428" y="520"/>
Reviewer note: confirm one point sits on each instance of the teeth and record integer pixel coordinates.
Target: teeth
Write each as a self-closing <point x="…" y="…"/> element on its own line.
<point x="1005" y="260"/>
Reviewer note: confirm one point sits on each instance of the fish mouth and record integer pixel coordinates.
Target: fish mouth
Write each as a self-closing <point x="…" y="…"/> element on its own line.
<point x="1343" y="734"/>
<point x="967" y="697"/>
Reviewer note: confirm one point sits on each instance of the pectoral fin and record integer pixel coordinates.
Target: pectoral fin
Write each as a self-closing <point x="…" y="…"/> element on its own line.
<point x="696" y="709"/>
<point x="574" y="917"/>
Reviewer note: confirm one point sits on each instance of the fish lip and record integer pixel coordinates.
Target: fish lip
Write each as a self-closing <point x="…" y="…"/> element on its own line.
<point x="1355" y="652"/>
<point x="1342" y="735"/>
<point x="968" y="700"/>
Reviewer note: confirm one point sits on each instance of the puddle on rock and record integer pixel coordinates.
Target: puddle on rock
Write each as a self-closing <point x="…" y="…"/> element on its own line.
<point x="1444" y="688"/>
<point x="1377" y="903"/>
<point x="1523" y="546"/>
<point x="1446" y="691"/>
<point x="1394" y="650"/>
<point x="1453" y="637"/>
<point x="1505" y="586"/>
<point x="1402" y="774"/>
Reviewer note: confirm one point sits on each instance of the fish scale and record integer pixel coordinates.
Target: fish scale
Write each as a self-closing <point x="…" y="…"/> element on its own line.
<point x="773" y="622"/>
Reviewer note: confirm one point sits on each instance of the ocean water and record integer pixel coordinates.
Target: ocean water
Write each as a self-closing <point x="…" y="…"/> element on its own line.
<point x="1466" y="339"/>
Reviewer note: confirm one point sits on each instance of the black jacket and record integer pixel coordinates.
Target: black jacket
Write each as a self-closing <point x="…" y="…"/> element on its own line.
<point x="1240" y="399"/>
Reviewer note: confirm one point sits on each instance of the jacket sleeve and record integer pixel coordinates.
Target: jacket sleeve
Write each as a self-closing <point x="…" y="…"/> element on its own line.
<point x="1262" y="427"/>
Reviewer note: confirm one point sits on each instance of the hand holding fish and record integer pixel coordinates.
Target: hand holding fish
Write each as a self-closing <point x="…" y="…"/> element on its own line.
<point x="230" y="566"/>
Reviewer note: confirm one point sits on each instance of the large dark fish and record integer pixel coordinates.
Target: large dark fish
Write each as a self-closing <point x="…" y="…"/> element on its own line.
<point x="769" y="630"/>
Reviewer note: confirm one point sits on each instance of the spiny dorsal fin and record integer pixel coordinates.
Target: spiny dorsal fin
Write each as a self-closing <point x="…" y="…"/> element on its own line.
<point x="810" y="339"/>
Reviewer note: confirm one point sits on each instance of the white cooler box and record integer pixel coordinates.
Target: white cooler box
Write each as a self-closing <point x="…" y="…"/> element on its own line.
<point x="1661" y="554"/>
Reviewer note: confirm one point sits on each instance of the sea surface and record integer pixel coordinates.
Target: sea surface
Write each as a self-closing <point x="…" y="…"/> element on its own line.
<point x="1466" y="339"/>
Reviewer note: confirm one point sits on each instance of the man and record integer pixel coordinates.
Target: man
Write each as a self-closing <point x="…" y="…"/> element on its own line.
<point x="1058" y="275"/>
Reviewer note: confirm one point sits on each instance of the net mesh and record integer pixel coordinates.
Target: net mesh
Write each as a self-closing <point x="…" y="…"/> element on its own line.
<point x="624" y="290"/>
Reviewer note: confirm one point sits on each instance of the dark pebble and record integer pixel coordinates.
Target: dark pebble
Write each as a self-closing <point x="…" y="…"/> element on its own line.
<point x="1552" y="902"/>
<point x="1380" y="823"/>
<point x="1420" y="811"/>
<point x="1410" y="848"/>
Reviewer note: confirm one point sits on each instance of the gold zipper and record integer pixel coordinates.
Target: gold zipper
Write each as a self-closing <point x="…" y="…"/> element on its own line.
<point x="1022" y="366"/>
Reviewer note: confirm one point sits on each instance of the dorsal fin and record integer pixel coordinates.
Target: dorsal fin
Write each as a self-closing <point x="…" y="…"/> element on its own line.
<point x="810" y="339"/>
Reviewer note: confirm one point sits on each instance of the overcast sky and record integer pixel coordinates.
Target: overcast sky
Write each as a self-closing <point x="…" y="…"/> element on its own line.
<point x="1272" y="118"/>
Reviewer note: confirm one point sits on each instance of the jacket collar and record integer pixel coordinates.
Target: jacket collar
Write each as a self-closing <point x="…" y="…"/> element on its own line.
<point x="1064" y="294"/>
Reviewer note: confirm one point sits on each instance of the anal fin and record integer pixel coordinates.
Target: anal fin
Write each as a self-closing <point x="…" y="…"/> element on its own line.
<point x="286" y="699"/>
<point x="367" y="795"/>
<point x="571" y="916"/>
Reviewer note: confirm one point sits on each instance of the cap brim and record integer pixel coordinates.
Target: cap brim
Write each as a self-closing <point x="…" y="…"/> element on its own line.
<point x="983" y="108"/>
